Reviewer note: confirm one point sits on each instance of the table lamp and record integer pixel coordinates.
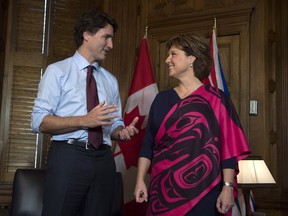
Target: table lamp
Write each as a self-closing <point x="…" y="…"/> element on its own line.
<point x="253" y="173"/>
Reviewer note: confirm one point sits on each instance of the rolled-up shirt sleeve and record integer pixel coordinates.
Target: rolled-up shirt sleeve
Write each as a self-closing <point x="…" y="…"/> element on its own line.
<point x="47" y="98"/>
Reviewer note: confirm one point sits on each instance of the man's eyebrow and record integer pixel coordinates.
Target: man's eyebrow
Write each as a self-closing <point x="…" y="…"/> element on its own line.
<point x="107" y="35"/>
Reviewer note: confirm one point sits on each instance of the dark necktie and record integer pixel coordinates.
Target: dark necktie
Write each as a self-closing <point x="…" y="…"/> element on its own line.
<point x="95" y="136"/>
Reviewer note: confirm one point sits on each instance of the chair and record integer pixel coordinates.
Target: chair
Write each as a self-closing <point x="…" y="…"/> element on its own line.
<point x="28" y="191"/>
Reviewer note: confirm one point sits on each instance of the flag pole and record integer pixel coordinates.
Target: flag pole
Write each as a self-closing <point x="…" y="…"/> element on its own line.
<point x="146" y="31"/>
<point x="146" y="28"/>
<point x="214" y="24"/>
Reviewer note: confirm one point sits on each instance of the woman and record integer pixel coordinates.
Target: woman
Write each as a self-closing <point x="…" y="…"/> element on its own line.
<point x="193" y="139"/>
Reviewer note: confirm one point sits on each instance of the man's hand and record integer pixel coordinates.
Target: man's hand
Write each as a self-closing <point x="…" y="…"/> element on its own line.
<point x="100" y="115"/>
<point x="129" y="131"/>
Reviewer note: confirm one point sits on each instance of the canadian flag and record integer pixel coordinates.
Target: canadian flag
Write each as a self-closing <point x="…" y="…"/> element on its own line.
<point x="141" y="95"/>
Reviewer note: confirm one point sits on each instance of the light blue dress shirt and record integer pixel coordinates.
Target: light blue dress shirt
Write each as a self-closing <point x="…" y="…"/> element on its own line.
<point x="62" y="92"/>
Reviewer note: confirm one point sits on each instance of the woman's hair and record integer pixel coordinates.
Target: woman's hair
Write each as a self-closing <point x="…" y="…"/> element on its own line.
<point x="91" y="22"/>
<point x="197" y="46"/>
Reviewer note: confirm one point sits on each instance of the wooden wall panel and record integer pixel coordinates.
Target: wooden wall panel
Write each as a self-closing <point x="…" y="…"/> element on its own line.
<point x="121" y="60"/>
<point x="3" y="31"/>
<point x="22" y="64"/>
<point x="281" y="65"/>
<point x="61" y="19"/>
<point x="282" y="87"/>
<point x="252" y="39"/>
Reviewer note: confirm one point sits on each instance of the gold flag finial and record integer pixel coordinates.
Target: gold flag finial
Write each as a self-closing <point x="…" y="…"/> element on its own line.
<point x="214" y="24"/>
<point x="146" y="31"/>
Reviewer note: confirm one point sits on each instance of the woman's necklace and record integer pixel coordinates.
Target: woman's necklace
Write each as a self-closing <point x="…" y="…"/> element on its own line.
<point x="183" y="93"/>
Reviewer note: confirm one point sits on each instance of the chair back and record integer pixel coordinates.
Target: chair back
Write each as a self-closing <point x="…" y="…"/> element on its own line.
<point x="28" y="191"/>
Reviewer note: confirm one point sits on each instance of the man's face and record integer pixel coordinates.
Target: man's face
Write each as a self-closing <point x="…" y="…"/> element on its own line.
<point x="98" y="45"/>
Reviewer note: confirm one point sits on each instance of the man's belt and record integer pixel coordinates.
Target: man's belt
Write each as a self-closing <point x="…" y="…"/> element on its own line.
<point x="84" y="144"/>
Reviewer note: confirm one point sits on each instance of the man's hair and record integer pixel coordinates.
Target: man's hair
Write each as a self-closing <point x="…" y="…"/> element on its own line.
<point x="91" y="22"/>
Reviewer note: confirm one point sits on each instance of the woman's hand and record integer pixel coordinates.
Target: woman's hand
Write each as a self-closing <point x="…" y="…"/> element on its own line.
<point x="140" y="192"/>
<point x="225" y="200"/>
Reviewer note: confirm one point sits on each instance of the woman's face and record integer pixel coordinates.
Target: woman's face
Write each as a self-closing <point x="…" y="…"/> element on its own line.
<point x="178" y="62"/>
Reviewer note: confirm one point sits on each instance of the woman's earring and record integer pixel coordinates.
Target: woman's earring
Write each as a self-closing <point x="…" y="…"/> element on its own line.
<point x="191" y="64"/>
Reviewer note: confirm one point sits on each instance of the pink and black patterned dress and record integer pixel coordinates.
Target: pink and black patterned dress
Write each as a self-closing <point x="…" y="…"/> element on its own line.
<point x="189" y="142"/>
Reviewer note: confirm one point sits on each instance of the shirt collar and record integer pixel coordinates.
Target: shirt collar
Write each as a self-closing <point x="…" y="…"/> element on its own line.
<point x="82" y="63"/>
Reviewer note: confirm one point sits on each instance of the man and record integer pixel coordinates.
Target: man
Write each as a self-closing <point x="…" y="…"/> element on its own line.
<point x="80" y="174"/>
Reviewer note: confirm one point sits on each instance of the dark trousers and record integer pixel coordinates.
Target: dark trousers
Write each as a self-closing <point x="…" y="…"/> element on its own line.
<point x="78" y="181"/>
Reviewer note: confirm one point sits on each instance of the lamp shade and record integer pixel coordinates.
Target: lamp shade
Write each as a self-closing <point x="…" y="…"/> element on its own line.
<point x="253" y="172"/>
